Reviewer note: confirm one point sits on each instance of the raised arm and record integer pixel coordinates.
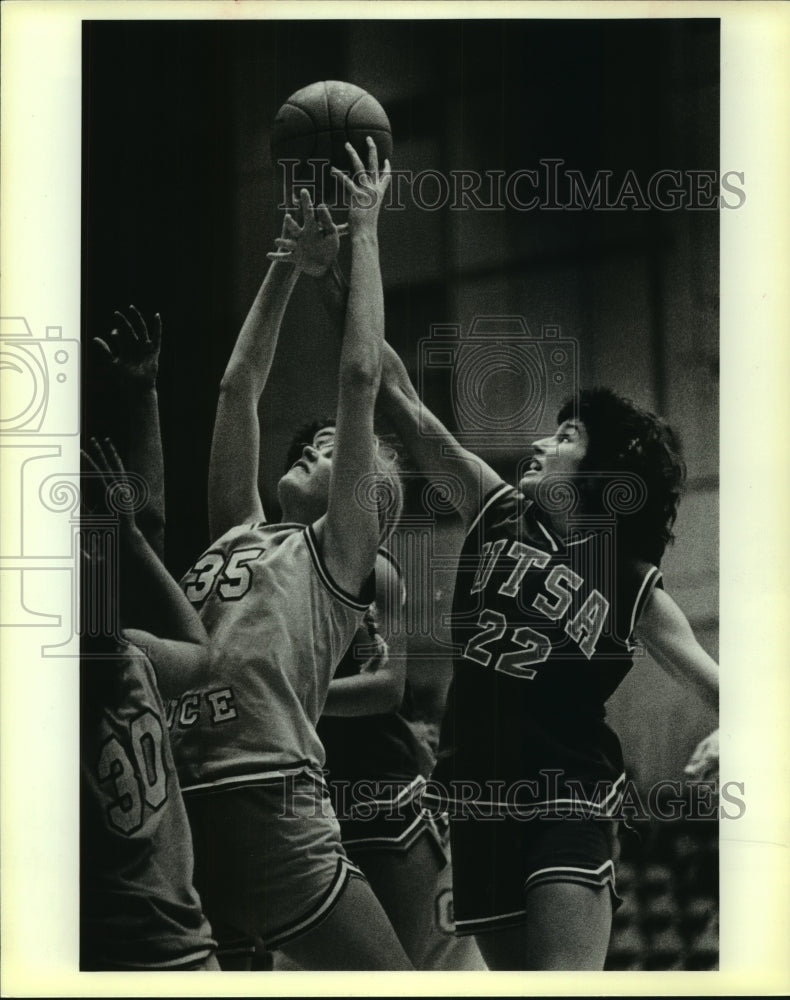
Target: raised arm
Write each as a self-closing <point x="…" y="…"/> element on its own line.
<point x="668" y="637"/>
<point x="349" y="532"/>
<point x="233" y="496"/>
<point x="235" y="447"/>
<point x="665" y="631"/>
<point x="155" y="615"/>
<point x="432" y="447"/>
<point x="129" y="355"/>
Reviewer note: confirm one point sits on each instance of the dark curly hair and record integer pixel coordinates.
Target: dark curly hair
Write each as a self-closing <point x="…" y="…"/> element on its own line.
<point x="624" y="438"/>
<point x="388" y="465"/>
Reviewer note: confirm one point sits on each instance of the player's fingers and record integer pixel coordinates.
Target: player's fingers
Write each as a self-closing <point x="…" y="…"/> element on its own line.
<point x="283" y="241"/>
<point x="99" y="459"/>
<point x="89" y="460"/>
<point x="102" y="348"/>
<point x="325" y="220"/>
<point x="113" y="458"/>
<point x="357" y="164"/>
<point x="140" y="325"/>
<point x="704" y="771"/>
<point x="386" y="176"/>
<point x="373" y="158"/>
<point x="156" y="339"/>
<point x="125" y="328"/>
<point x="279" y="255"/>
<point x="290" y="225"/>
<point x="348" y="184"/>
<point x="306" y="203"/>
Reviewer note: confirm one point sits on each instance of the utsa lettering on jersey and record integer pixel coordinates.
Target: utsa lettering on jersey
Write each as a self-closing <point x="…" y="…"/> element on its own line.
<point x="546" y="635"/>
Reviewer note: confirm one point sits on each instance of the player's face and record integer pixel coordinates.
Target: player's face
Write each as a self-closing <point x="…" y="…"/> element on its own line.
<point x="560" y="454"/>
<point x="304" y="489"/>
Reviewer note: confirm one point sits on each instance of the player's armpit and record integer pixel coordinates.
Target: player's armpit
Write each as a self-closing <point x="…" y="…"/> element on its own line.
<point x="665" y="631"/>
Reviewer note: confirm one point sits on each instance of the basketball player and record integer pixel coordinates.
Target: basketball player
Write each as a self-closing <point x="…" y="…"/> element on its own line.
<point x="546" y="610"/>
<point x="138" y="907"/>
<point x="373" y="762"/>
<point x="281" y="603"/>
<point x="371" y="749"/>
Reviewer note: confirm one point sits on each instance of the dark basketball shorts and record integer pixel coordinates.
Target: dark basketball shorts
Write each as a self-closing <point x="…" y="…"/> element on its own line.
<point x="497" y="861"/>
<point x="269" y="862"/>
<point x="390" y="818"/>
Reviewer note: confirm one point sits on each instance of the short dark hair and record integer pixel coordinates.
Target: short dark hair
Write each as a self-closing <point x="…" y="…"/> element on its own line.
<point x="388" y="466"/>
<point x="623" y="437"/>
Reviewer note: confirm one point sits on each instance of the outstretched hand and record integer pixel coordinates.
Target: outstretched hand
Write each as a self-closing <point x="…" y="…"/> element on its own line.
<point x="130" y="350"/>
<point x="366" y="188"/>
<point x="704" y="762"/>
<point x="109" y="487"/>
<point x="313" y="246"/>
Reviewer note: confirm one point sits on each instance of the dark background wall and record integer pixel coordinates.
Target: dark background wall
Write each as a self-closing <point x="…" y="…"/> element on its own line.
<point x="180" y="207"/>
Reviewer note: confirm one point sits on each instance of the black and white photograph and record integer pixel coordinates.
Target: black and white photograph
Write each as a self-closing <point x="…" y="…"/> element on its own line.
<point x="374" y="498"/>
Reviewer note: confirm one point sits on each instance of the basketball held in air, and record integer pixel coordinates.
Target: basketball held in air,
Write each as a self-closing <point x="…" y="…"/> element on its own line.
<point x="316" y="122"/>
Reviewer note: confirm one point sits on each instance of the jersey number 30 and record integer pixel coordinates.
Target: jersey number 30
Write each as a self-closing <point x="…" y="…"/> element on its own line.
<point x="130" y="784"/>
<point x="233" y="574"/>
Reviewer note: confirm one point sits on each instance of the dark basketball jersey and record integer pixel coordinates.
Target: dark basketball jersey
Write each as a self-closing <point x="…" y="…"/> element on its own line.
<point x="138" y="907"/>
<point x="368" y="747"/>
<point x="543" y="632"/>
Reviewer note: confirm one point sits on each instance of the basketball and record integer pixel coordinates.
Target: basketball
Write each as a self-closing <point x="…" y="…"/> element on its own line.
<point x="317" y="121"/>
